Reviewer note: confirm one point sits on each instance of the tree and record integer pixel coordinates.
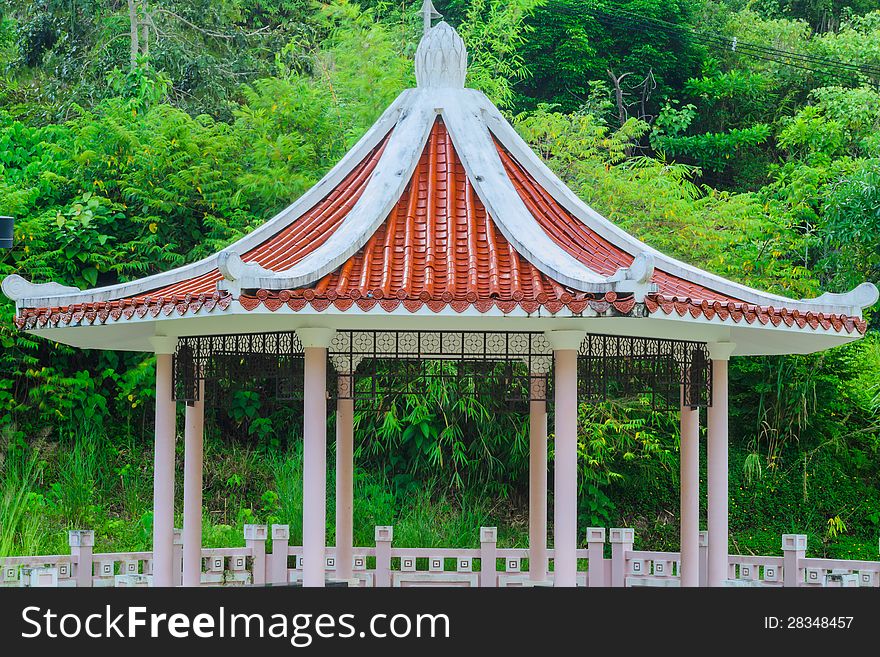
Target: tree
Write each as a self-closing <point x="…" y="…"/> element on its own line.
<point x="573" y="43"/>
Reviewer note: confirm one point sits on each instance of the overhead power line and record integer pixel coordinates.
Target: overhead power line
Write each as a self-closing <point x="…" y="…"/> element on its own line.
<point x="622" y="18"/>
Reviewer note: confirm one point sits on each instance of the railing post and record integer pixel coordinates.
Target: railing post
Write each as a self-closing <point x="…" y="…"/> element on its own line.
<point x="704" y="558"/>
<point x="488" y="556"/>
<point x="177" y="558"/>
<point x="384" y="536"/>
<point x="621" y="543"/>
<point x="596" y="556"/>
<point x="794" y="547"/>
<point x="255" y="539"/>
<point x="82" y="543"/>
<point x="276" y="570"/>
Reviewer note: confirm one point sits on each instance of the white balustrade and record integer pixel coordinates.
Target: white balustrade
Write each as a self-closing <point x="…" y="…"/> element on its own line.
<point x="385" y="565"/>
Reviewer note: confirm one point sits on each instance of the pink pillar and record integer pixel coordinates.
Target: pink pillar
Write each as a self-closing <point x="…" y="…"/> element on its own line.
<point x="177" y="557"/>
<point x="794" y="548"/>
<point x="621" y="539"/>
<point x="193" y="444"/>
<point x="690" y="495"/>
<point x="716" y="454"/>
<point x="488" y="557"/>
<point x="163" y="465"/>
<point x="384" y="538"/>
<point x="565" y="349"/>
<point x="315" y="342"/>
<point x="538" y="481"/>
<point x="276" y="569"/>
<point x="344" y="481"/>
<point x="82" y="545"/>
<point x="255" y="540"/>
<point x="596" y="556"/>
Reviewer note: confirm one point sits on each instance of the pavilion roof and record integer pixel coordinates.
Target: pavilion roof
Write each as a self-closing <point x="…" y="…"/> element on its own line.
<point x="441" y="205"/>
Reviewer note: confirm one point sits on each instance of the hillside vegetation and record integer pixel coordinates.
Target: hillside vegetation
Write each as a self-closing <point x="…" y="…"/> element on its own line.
<point x="740" y="136"/>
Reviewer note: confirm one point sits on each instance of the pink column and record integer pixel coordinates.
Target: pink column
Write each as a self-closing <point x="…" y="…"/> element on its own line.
<point x="344" y="479"/>
<point x="716" y="455"/>
<point x="488" y="557"/>
<point x="596" y="556"/>
<point x="384" y="537"/>
<point x="565" y="349"/>
<point x="193" y="445"/>
<point x="690" y="495"/>
<point x="82" y="545"/>
<point x="538" y="481"/>
<point x="621" y="539"/>
<point x="255" y="540"/>
<point x="315" y="342"/>
<point x="163" y="464"/>
<point x="794" y="548"/>
<point x="276" y="569"/>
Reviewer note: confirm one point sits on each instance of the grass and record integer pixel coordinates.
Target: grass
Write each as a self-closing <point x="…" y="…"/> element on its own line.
<point x="19" y="528"/>
<point x="83" y="481"/>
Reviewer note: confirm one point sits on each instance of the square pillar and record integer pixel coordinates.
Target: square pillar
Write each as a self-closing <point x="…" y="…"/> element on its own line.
<point x="538" y="480"/>
<point x="690" y="494"/>
<point x="193" y="459"/>
<point x="565" y="350"/>
<point x="716" y="455"/>
<point x="276" y="568"/>
<point x="255" y="539"/>
<point x="315" y="342"/>
<point x="82" y="545"/>
<point x="163" y="463"/>
<point x="384" y="537"/>
<point x="488" y="557"/>
<point x="621" y="539"/>
<point x="794" y="548"/>
<point x="596" y="553"/>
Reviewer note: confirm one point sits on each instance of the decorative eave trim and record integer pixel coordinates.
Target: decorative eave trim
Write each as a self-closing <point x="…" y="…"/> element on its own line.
<point x="103" y="312"/>
<point x="566" y="305"/>
<point x="751" y="313"/>
<point x="609" y="304"/>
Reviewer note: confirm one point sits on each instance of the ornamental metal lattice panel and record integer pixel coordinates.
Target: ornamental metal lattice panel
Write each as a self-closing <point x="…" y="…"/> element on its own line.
<point x="226" y="361"/>
<point x="374" y="366"/>
<point x="614" y="366"/>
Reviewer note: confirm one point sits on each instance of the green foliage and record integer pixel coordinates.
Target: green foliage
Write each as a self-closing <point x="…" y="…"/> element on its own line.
<point x="614" y="434"/>
<point x="757" y="170"/>
<point x="494" y="32"/>
<point x="570" y="47"/>
<point x="851" y="225"/>
<point x="712" y="150"/>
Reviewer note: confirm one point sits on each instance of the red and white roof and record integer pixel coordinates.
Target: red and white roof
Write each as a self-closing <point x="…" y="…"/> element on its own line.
<point x="440" y="215"/>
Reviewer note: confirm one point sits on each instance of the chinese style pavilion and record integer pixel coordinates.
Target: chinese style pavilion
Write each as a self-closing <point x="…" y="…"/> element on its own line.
<point x="441" y="236"/>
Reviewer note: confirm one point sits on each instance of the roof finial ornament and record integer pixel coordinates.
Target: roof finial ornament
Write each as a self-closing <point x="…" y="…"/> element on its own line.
<point x="441" y="58"/>
<point x="428" y="14"/>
